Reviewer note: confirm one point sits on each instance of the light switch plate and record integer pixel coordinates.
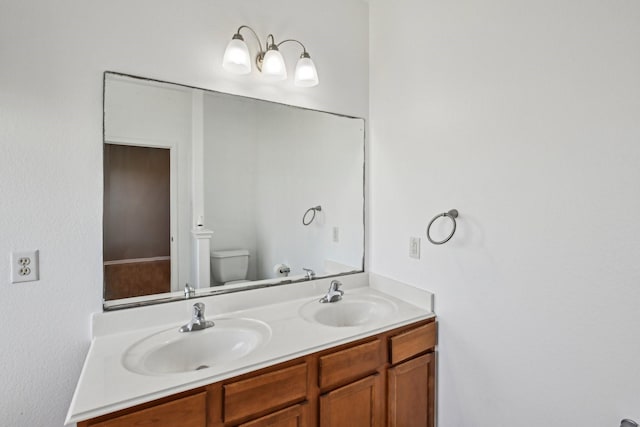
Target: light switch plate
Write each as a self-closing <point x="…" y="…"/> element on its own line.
<point x="24" y="266"/>
<point x="414" y="247"/>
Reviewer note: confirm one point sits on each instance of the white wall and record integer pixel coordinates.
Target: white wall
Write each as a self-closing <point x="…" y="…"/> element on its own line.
<point x="144" y="113"/>
<point x="312" y="159"/>
<point x="264" y="172"/>
<point x="53" y="56"/>
<point x="230" y="173"/>
<point x="525" y="116"/>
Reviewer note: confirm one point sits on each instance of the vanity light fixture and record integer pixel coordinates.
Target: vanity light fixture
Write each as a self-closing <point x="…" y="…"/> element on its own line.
<point x="269" y="60"/>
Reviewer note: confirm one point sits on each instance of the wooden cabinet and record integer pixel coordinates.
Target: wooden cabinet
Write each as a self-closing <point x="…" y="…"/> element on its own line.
<point x="351" y="363"/>
<point x="412" y="342"/>
<point x="264" y="393"/>
<point x="411" y="393"/>
<point x="383" y="380"/>
<point x="185" y="412"/>
<point x="358" y="404"/>
<point x="291" y="417"/>
<point x="411" y="381"/>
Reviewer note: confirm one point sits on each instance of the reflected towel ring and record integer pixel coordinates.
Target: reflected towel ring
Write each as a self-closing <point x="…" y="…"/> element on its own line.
<point x="313" y="210"/>
<point x="452" y="214"/>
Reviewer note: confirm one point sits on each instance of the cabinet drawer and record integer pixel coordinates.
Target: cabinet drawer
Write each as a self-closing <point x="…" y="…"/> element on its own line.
<point x="290" y="417"/>
<point x="351" y="363"/>
<point x="265" y="392"/>
<point x="186" y="412"/>
<point x="413" y="342"/>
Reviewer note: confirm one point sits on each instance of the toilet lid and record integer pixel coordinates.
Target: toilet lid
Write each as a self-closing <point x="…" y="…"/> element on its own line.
<point x="228" y="254"/>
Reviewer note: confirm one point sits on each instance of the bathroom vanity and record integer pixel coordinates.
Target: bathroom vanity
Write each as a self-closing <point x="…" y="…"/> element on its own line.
<point x="388" y="376"/>
<point x="311" y="340"/>
<point x="367" y="360"/>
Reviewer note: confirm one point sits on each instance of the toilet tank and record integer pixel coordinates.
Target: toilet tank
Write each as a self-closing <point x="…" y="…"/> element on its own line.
<point x="228" y="266"/>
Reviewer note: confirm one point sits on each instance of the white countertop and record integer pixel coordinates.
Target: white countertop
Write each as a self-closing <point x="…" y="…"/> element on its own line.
<point x="105" y="385"/>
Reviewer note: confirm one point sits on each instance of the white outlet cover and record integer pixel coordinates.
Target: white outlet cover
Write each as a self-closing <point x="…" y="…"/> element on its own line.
<point x="24" y="266"/>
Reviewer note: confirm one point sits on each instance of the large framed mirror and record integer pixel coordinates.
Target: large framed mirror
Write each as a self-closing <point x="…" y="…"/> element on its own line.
<point x="224" y="192"/>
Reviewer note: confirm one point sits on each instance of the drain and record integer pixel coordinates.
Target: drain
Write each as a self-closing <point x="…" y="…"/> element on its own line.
<point x="202" y="367"/>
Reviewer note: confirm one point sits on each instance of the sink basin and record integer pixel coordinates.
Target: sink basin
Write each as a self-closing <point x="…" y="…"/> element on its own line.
<point x="173" y="352"/>
<point x="352" y="310"/>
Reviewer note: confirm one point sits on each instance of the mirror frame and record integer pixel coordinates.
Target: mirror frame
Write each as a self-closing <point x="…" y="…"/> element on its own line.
<point x="153" y="299"/>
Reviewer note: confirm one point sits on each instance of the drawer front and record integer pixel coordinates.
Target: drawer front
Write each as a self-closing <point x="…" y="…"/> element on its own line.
<point x="265" y="392"/>
<point x="290" y="417"/>
<point x="186" y="412"/>
<point x="354" y="362"/>
<point x="413" y="342"/>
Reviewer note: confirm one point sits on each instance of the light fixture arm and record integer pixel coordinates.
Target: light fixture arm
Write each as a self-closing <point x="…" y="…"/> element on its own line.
<point x="273" y="40"/>
<point x="272" y="44"/>
<point x="304" y="49"/>
<point x="253" y="32"/>
<point x="261" y="51"/>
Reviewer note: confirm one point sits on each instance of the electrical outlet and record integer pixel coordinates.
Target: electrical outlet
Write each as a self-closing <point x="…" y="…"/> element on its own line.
<point x="336" y="234"/>
<point x="414" y="247"/>
<point x="24" y="266"/>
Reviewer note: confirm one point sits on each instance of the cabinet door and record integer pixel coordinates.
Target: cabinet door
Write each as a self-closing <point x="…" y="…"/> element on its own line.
<point x="411" y="393"/>
<point x="290" y="417"/>
<point x="358" y="404"/>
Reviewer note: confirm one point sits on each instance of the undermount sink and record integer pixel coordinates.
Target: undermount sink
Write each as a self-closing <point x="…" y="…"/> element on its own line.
<point x="351" y="310"/>
<point x="173" y="352"/>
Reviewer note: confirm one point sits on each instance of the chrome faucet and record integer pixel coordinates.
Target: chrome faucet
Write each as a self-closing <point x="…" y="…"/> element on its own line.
<point x="334" y="294"/>
<point x="189" y="291"/>
<point x="309" y="273"/>
<point x="197" y="322"/>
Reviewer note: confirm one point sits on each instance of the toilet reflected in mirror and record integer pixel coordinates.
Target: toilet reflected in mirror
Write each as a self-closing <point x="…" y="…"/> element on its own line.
<point x="229" y="267"/>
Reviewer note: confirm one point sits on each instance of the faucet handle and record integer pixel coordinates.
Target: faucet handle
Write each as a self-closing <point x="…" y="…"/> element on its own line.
<point x="310" y="273"/>
<point x="197" y="322"/>
<point x="198" y="310"/>
<point x="189" y="291"/>
<point x="334" y="294"/>
<point x="335" y="287"/>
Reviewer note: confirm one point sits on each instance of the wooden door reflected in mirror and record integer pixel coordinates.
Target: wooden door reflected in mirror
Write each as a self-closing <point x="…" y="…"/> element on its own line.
<point x="137" y="221"/>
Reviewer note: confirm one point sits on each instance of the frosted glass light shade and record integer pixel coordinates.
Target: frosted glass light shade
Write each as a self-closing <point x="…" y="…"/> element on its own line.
<point x="236" y="57"/>
<point x="306" y="74"/>
<point x="273" y="66"/>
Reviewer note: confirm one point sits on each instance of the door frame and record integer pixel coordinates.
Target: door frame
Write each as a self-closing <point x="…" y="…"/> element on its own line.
<point x="172" y="146"/>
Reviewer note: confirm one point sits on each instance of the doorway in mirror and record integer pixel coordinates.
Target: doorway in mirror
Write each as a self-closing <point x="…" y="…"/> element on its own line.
<point x="137" y="221"/>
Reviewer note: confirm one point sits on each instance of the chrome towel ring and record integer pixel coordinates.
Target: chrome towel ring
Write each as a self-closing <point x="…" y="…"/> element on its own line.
<point x="452" y="215"/>
<point x="313" y="210"/>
